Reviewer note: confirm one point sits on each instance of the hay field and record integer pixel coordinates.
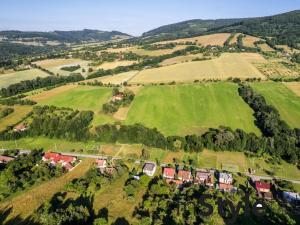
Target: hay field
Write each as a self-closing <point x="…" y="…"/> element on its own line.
<point x="15" y="77"/>
<point x="112" y="65"/>
<point x="266" y="48"/>
<point x="140" y="51"/>
<point x="116" y="79"/>
<point x="55" y="65"/>
<point x="248" y="41"/>
<point x="180" y="59"/>
<point x="294" y="86"/>
<point x="227" y="65"/>
<point x="234" y="39"/>
<point x="211" y="39"/>
<point x="288" y="49"/>
<point x="19" y="113"/>
<point x="183" y="109"/>
<point x="283" y="99"/>
<point x="276" y="68"/>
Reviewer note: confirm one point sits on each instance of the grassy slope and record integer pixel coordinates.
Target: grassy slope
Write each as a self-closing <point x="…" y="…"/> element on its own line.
<point x="181" y="109"/>
<point x="283" y="99"/>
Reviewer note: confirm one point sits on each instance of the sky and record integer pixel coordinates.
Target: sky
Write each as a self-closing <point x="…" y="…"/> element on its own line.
<point x="129" y="16"/>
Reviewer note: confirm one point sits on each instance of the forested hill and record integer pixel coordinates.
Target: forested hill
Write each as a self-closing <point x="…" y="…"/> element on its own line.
<point x="283" y="28"/>
<point x="188" y="28"/>
<point x="64" y="36"/>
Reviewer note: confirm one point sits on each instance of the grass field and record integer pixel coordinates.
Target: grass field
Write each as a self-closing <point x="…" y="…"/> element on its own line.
<point x="140" y="51"/>
<point x="11" y="78"/>
<point x="112" y="65"/>
<point x="76" y="97"/>
<point x="19" y="113"/>
<point x="283" y="99"/>
<point x="180" y="59"/>
<point x="227" y="65"/>
<point x="55" y="65"/>
<point x="182" y="109"/>
<point x="248" y="41"/>
<point x="212" y="39"/>
<point x="294" y="86"/>
<point x="23" y="205"/>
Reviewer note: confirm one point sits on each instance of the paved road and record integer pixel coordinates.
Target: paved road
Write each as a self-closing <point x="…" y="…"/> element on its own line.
<point x="93" y="156"/>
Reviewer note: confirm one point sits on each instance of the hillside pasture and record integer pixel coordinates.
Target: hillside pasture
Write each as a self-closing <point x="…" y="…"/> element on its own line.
<point x="288" y="49"/>
<point x="276" y="69"/>
<point x="265" y="47"/>
<point x="227" y="65"/>
<point x="16" y="77"/>
<point x="234" y="39"/>
<point x="55" y="65"/>
<point x="249" y="41"/>
<point x="142" y="52"/>
<point x="186" y="109"/>
<point x="283" y="99"/>
<point x="205" y="40"/>
<point x="19" y="113"/>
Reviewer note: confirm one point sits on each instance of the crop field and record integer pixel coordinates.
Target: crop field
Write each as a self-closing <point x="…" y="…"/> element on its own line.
<point x="227" y="65"/>
<point x="112" y="65"/>
<point x="248" y="41"/>
<point x="19" y="113"/>
<point x="266" y="48"/>
<point x="212" y="39"/>
<point x="274" y="69"/>
<point x="294" y="86"/>
<point x="55" y="65"/>
<point x="283" y="99"/>
<point x="180" y="59"/>
<point x="116" y="79"/>
<point x="140" y="51"/>
<point x="23" y="205"/>
<point x="11" y="78"/>
<point x="182" y="109"/>
<point x="76" y="97"/>
<point x="234" y="39"/>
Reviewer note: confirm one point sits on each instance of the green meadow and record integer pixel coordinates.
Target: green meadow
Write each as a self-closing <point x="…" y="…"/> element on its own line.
<point x="283" y="99"/>
<point x="182" y="109"/>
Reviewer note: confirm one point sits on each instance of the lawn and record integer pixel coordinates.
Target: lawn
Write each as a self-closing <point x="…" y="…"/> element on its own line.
<point x="76" y="97"/>
<point x="227" y="65"/>
<point x="182" y="109"/>
<point x="11" y="78"/>
<point x="23" y="205"/>
<point x="19" y="113"/>
<point x="283" y="99"/>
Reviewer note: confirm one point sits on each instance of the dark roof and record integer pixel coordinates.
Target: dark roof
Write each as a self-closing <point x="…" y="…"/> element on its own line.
<point x="149" y="166"/>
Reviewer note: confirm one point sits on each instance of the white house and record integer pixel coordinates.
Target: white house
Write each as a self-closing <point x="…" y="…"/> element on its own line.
<point x="149" y="168"/>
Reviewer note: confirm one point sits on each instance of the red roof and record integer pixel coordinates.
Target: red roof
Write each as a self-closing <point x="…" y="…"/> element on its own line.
<point x="169" y="172"/>
<point x="56" y="157"/>
<point x="68" y="166"/>
<point x="100" y="162"/>
<point x="67" y="158"/>
<point x="262" y="185"/>
<point x="5" y="159"/>
<point x="184" y="175"/>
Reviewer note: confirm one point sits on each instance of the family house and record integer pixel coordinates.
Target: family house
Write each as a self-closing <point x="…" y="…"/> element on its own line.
<point x="118" y="97"/>
<point x="5" y="159"/>
<point x="169" y="173"/>
<point x="263" y="189"/>
<point x="184" y="176"/>
<point x="225" y="181"/>
<point x="204" y="177"/>
<point x="57" y="158"/>
<point x="149" y="168"/>
<point x="101" y="164"/>
<point x="21" y="127"/>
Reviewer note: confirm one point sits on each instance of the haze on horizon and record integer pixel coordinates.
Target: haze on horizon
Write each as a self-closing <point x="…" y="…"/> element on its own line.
<point x="133" y="16"/>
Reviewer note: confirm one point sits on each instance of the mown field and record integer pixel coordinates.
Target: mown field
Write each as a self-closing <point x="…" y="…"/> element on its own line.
<point x="227" y="65"/>
<point x="116" y="79"/>
<point x="11" y="78"/>
<point x="283" y="99"/>
<point x="182" y="109"/>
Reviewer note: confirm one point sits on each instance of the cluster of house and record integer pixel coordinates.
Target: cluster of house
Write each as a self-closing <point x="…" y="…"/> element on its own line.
<point x="66" y="161"/>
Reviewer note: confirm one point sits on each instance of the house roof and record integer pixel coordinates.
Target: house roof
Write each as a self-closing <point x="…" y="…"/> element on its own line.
<point x="263" y="185"/>
<point x="56" y="157"/>
<point x="68" y="166"/>
<point x="101" y="162"/>
<point x="170" y="172"/>
<point x="184" y="174"/>
<point x="225" y="176"/>
<point x="6" y="159"/>
<point x="202" y="174"/>
<point x="225" y="186"/>
<point x="149" y="166"/>
<point x="20" y="127"/>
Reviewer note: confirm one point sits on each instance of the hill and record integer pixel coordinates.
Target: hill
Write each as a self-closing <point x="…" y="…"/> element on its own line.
<point x="278" y="29"/>
<point x="62" y="36"/>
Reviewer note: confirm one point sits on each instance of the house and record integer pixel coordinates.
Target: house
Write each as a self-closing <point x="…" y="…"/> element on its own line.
<point x="118" y="97"/>
<point x="21" y="127"/>
<point x="57" y="158"/>
<point x="263" y="189"/>
<point x="5" y="159"/>
<point x="291" y="196"/>
<point x="169" y="173"/>
<point x="149" y="168"/>
<point x="204" y="177"/>
<point x="101" y="164"/>
<point x="184" y="175"/>
<point x="225" y="181"/>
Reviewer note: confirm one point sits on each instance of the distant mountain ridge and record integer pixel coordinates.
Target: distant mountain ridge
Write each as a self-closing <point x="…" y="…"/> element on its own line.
<point x="281" y="29"/>
<point x="64" y="36"/>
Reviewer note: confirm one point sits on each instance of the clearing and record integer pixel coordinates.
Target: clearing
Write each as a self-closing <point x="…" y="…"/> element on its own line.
<point x="182" y="109"/>
<point x="12" y="78"/>
<point x="283" y="99"/>
<point x="227" y="65"/>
